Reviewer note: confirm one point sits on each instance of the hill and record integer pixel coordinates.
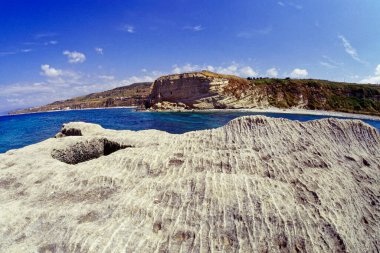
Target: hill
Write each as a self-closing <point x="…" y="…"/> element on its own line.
<point x="208" y="90"/>
<point x="131" y="95"/>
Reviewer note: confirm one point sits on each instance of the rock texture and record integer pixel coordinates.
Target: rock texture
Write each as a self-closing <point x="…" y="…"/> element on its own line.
<point x="255" y="185"/>
<point x="207" y="90"/>
<point x="198" y="89"/>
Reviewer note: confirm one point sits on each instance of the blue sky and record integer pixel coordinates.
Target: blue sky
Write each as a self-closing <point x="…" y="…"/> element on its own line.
<point x="51" y="50"/>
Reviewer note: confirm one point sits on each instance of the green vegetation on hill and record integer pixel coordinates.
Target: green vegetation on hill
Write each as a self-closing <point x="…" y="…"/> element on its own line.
<point x="246" y="93"/>
<point x="131" y="95"/>
<point x="320" y="95"/>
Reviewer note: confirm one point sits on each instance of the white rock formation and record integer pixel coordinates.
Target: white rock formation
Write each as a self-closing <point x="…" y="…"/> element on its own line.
<point x="255" y="185"/>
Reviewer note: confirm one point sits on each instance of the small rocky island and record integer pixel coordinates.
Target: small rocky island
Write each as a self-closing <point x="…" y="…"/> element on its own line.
<point x="208" y="90"/>
<point x="257" y="184"/>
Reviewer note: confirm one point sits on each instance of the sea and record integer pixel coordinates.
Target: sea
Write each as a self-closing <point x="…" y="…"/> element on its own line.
<point x="17" y="131"/>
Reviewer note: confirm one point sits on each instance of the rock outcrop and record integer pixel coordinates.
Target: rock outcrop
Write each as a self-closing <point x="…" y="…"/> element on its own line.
<point x="255" y="185"/>
<point x="197" y="90"/>
<point x="207" y="90"/>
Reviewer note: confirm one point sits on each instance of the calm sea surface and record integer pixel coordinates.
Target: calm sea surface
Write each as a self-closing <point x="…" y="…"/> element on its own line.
<point x="22" y="130"/>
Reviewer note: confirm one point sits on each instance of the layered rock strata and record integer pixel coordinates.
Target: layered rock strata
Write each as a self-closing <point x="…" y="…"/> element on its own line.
<point x="196" y="90"/>
<point x="255" y="185"/>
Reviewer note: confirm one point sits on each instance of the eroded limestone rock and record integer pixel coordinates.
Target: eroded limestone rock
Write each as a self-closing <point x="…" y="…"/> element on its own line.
<point x="255" y="185"/>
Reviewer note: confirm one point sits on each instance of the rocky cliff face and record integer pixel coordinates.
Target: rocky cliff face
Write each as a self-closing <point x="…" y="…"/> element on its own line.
<point x="255" y="185"/>
<point x="196" y="90"/>
<point x="207" y="90"/>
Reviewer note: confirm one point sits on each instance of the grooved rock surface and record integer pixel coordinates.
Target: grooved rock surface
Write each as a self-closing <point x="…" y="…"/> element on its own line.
<point x="255" y="185"/>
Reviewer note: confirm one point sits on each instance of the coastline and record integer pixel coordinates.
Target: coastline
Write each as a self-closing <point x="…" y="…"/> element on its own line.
<point x="64" y="110"/>
<point x="253" y="110"/>
<point x="300" y="112"/>
<point x="282" y="111"/>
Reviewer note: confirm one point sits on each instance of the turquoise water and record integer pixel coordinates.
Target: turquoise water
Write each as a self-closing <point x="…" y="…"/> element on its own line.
<point x="22" y="130"/>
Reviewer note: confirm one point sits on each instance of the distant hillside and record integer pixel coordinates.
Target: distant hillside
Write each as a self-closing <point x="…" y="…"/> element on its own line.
<point x="207" y="90"/>
<point x="318" y="95"/>
<point x="131" y="95"/>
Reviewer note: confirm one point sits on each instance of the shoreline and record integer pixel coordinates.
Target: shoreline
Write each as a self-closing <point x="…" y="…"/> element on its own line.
<point x="64" y="110"/>
<point x="299" y="112"/>
<point x="283" y="111"/>
<point x="253" y="110"/>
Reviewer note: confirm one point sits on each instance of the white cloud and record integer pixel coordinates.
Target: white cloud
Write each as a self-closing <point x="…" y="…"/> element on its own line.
<point x="59" y="85"/>
<point x="248" y="71"/>
<point x="299" y="73"/>
<point x="40" y="43"/>
<point x="371" y="79"/>
<point x="51" y="42"/>
<point x="21" y="51"/>
<point x="248" y="34"/>
<point x="294" y="5"/>
<point x="137" y="79"/>
<point x="26" y="50"/>
<point x="7" y="53"/>
<point x="60" y="77"/>
<point x="377" y="71"/>
<point x="272" y="72"/>
<point x="75" y="57"/>
<point x="107" y="77"/>
<point x="327" y="65"/>
<point x="350" y="49"/>
<point x="186" y="68"/>
<point x="229" y="70"/>
<point x="290" y="4"/>
<point x="44" y="35"/>
<point x="375" y="79"/>
<point x="196" y="28"/>
<point x="99" y="50"/>
<point x="232" y="69"/>
<point x="148" y="76"/>
<point x="50" y="71"/>
<point x="128" y="28"/>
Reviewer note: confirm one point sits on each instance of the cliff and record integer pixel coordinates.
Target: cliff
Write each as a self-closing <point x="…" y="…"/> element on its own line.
<point x="131" y="95"/>
<point x="196" y="90"/>
<point x="255" y="185"/>
<point x="206" y="90"/>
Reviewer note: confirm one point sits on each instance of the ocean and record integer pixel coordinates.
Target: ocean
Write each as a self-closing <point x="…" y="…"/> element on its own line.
<point x="21" y="130"/>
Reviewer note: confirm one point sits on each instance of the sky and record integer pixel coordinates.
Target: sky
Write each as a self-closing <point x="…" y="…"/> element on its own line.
<point x="53" y="50"/>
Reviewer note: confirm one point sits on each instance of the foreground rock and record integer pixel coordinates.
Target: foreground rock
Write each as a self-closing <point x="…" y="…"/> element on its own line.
<point x="255" y="185"/>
